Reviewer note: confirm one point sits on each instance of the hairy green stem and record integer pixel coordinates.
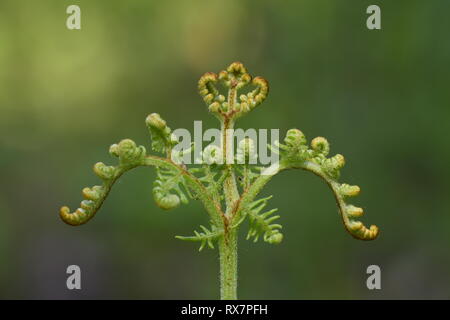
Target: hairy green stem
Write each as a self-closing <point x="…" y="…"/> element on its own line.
<point x="230" y="186"/>
<point x="228" y="242"/>
<point x="228" y="265"/>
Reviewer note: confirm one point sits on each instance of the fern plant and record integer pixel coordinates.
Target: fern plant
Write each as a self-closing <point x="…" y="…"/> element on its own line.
<point x="227" y="190"/>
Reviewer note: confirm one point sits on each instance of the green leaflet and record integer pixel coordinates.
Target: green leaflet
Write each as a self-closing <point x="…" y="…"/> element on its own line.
<point x="205" y="237"/>
<point x="162" y="139"/>
<point x="213" y="177"/>
<point x="167" y="190"/>
<point x="261" y="223"/>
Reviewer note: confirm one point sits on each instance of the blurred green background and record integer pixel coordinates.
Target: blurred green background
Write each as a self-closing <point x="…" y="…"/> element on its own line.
<point x="380" y="97"/>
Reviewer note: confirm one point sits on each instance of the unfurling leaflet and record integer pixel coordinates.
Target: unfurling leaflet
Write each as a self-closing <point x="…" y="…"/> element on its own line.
<point x="129" y="156"/>
<point x="295" y="153"/>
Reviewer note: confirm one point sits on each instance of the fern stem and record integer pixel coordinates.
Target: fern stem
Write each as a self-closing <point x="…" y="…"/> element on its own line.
<point x="230" y="187"/>
<point x="228" y="242"/>
<point x="228" y="265"/>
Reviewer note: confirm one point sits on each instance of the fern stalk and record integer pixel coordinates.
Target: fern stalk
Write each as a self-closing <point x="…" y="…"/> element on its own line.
<point x="228" y="265"/>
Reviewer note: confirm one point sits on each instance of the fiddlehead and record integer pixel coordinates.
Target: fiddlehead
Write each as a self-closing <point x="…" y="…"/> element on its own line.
<point x="257" y="96"/>
<point x="167" y="190"/>
<point x="296" y="154"/>
<point x="129" y="156"/>
<point x="235" y="77"/>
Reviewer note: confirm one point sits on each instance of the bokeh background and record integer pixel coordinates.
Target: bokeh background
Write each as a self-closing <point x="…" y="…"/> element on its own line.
<point x="380" y="97"/>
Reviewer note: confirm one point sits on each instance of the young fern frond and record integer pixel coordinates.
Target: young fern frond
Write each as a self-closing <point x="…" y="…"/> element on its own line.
<point x="167" y="190"/>
<point x="162" y="138"/>
<point x="213" y="177"/>
<point x="295" y="154"/>
<point x="205" y="237"/>
<point x="261" y="223"/>
<point x="130" y="156"/>
<point x="215" y="184"/>
<point x="298" y="155"/>
<point x="235" y="77"/>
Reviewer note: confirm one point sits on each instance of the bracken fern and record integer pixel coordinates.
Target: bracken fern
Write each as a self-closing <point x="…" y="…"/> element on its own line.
<point x="227" y="190"/>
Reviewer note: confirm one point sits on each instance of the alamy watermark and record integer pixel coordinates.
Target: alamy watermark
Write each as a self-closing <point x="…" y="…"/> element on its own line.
<point x="374" y="20"/>
<point x="74" y="280"/>
<point x="73" y="21"/>
<point x="374" y="280"/>
<point x="233" y="146"/>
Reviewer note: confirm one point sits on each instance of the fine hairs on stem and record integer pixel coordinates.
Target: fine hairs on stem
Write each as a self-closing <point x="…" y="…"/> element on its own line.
<point x="227" y="190"/>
